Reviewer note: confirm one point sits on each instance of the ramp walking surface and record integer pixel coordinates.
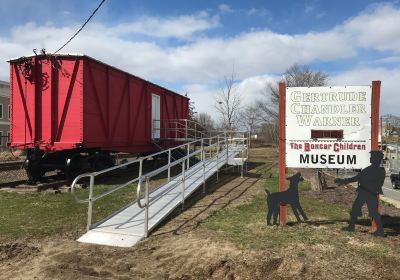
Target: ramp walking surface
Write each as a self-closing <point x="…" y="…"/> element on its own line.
<point x="126" y="227"/>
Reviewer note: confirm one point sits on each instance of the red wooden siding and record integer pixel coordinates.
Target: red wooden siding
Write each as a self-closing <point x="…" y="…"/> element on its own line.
<point x="84" y="102"/>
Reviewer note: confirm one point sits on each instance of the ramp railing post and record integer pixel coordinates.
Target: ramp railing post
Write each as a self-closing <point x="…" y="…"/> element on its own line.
<point x="183" y="185"/>
<point x="247" y="150"/>
<point x="227" y="148"/>
<point x="204" y="165"/>
<point x="188" y="153"/>
<point x="217" y="158"/>
<point x="248" y="146"/>
<point x="209" y="146"/>
<point x="146" y="210"/>
<point x="140" y="176"/>
<point x="186" y="128"/>
<point x="242" y="156"/>
<point x="169" y="165"/>
<point x="140" y="167"/>
<point x="90" y="206"/>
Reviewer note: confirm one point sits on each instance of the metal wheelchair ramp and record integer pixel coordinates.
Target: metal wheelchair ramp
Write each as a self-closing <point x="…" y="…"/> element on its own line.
<point x="133" y="223"/>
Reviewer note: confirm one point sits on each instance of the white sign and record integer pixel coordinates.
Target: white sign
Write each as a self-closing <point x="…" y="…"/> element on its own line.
<point x="328" y="127"/>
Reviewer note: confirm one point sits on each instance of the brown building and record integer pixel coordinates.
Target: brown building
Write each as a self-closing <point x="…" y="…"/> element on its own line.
<point x="4" y="114"/>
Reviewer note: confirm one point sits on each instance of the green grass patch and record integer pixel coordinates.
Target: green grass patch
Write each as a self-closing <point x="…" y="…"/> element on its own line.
<point x="41" y="214"/>
<point x="246" y="226"/>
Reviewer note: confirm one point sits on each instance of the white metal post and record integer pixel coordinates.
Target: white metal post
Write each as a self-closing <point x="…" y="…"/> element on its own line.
<point x="169" y="165"/>
<point x="209" y="146"/>
<point x="90" y="207"/>
<point x="242" y="155"/>
<point x="188" y="152"/>
<point x="204" y="165"/>
<point x="140" y="175"/>
<point x="227" y="148"/>
<point x="249" y="139"/>
<point x="140" y="167"/>
<point x="146" y="210"/>
<point x="217" y="158"/>
<point x="247" y="151"/>
<point x="186" y="129"/>
<point x="183" y="185"/>
<point x="248" y="147"/>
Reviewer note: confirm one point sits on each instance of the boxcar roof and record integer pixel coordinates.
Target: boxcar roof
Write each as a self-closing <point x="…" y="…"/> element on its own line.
<point x="89" y="57"/>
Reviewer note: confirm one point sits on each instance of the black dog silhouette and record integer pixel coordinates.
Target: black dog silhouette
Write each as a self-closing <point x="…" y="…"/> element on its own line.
<point x="290" y="196"/>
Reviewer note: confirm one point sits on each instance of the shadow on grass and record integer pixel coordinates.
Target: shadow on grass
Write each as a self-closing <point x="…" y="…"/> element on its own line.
<point x="391" y="224"/>
<point x="213" y="186"/>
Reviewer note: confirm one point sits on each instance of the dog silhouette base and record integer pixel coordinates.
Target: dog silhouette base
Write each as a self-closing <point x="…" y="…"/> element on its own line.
<point x="290" y="196"/>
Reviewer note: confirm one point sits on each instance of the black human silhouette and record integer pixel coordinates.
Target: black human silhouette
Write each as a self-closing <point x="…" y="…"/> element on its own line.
<point x="370" y="181"/>
<point x="290" y="196"/>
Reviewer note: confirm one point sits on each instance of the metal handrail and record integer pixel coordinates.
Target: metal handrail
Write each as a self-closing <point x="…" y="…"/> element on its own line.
<point x="162" y="169"/>
<point x="96" y="173"/>
<point x="183" y="126"/>
<point x="221" y="139"/>
<point x="159" y="195"/>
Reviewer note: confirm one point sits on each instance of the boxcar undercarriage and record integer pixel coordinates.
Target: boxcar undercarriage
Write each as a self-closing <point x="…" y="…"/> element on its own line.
<point x="70" y="162"/>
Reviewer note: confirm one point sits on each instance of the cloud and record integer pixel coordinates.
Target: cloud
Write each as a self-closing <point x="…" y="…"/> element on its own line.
<point x="390" y="97"/>
<point x="198" y="61"/>
<point x="225" y="8"/>
<point x="376" y="28"/>
<point x="309" y="7"/>
<point x="178" y="27"/>
<point x="258" y="12"/>
<point x="386" y="60"/>
<point x="249" y="89"/>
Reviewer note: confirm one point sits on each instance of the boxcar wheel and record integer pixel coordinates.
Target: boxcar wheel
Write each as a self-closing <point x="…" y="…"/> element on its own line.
<point x="73" y="167"/>
<point x="33" y="172"/>
<point x="102" y="161"/>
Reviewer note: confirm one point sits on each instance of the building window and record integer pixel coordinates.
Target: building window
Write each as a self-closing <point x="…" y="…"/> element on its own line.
<point x="9" y="112"/>
<point x="1" y="111"/>
<point x="1" y="138"/>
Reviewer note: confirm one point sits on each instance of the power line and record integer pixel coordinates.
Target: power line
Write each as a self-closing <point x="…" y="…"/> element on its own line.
<point x="80" y="29"/>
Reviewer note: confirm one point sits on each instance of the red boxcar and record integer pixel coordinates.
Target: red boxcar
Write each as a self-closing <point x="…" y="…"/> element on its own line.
<point x="71" y="103"/>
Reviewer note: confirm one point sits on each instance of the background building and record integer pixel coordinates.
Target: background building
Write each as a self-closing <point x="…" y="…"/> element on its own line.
<point x="4" y="114"/>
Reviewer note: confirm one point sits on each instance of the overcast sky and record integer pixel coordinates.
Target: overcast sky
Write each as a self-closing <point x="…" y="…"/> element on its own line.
<point x="189" y="46"/>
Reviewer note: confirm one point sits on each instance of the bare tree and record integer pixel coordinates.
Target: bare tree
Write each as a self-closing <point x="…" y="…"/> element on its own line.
<point x="227" y="103"/>
<point x="206" y="121"/>
<point x="269" y="103"/>
<point x="192" y="110"/>
<point x="250" y="117"/>
<point x="295" y="76"/>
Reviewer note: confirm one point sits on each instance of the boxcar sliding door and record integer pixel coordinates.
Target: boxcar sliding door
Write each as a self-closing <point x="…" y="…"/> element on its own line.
<point x="155" y="116"/>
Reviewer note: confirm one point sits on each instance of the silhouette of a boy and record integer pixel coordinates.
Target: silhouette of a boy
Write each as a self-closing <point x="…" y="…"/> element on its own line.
<point x="370" y="181"/>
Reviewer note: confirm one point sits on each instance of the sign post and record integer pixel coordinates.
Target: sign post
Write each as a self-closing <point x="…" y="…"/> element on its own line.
<point x="282" y="148"/>
<point x="376" y="92"/>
